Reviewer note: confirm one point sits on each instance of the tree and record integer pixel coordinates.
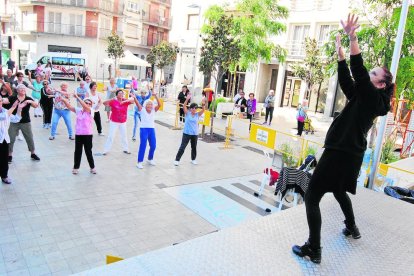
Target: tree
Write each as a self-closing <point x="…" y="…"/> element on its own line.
<point x="162" y="55"/>
<point x="115" y="48"/>
<point x="311" y="70"/>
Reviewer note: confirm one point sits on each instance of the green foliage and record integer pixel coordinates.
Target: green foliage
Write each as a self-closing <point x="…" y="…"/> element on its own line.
<point x="115" y="48"/>
<point x="311" y="70"/>
<point x="162" y="55"/>
<point x="387" y="154"/>
<point x="310" y="150"/>
<point x="220" y="51"/>
<point x="287" y="155"/>
<point x="216" y="102"/>
<point x="377" y="42"/>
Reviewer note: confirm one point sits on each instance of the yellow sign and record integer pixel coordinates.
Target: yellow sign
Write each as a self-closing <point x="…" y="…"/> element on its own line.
<point x="263" y="136"/>
<point x="205" y="118"/>
<point x="100" y="86"/>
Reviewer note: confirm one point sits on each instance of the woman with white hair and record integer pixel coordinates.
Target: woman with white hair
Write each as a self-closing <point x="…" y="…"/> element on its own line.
<point x="119" y="114"/>
<point x="147" y="129"/>
<point x="137" y="116"/>
<point x="83" y="131"/>
<point x="270" y="106"/>
<point x="60" y="110"/>
<point x="6" y="117"/>
<point x="110" y="94"/>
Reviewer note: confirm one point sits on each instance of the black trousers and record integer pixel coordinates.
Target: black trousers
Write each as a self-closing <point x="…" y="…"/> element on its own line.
<point x="4" y="164"/>
<point x="184" y="143"/>
<point x="97" y="119"/>
<point x="250" y="117"/>
<point x="182" y="115"/>
<point x="83" y="142"/>
<point x="47" y="108"/>
<point x="313" y="213"/>
<point x="269" y="113"/>
<point x="300" y="127"/>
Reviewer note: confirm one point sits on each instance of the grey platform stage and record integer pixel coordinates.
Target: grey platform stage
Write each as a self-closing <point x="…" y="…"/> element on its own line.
<point x="263" y="246"/>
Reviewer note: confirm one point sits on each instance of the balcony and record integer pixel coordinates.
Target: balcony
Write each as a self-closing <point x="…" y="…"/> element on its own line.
<point x="99" y="5"/>
<point x="165" y="2"/>
<point x="307" y="5"/>
<point x="157" y="21"/>
<point x="60" y="29"/>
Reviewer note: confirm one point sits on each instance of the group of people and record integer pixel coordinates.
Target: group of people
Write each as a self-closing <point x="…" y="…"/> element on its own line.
<point x="56" y="104"/>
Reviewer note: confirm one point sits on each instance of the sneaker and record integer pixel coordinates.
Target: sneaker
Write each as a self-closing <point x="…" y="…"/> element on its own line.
<point x="127" y="152"/>
<point x="101" y="134"/>
<point x="151" y="162"/>
<point x="52" y="138"/>
<point x="44" y="126"/>
<point x="264" y="123"/>
<point x="134" y="139"/>
<point x="352" y="231"/>
<point x="93" y="171"/>
<point x="10" y="159"/>
<point x="19" y="137"/>
<point x="34" y="157"/>
<point x="71" y="138"/>
<point x="48" y="126"/>
<point x="176" y="163"/>
<point x="75" y="171"/>
<point x="139" y="165"/>
<point x="35" y="116"/>
<point x="6" y="180"/>
<point x="315" y="255"/>
<point x="194" y="162"/>
<point x="269" y="124"/>
<point x="104" y="153"/>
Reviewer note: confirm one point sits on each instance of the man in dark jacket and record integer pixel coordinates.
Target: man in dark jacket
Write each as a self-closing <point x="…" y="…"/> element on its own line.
<point x="181" y="99"/>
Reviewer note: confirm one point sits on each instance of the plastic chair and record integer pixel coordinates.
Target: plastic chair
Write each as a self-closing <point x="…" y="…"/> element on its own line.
<point x="276" y="163"/>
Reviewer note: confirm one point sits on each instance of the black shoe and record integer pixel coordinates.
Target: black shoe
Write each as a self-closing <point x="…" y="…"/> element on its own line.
<point x="315" y="255"/>
<point x="352" y="231"/>
<point x="6" y="181"/>
<point x="10" y="159"/>
<point x="35" y="157"/>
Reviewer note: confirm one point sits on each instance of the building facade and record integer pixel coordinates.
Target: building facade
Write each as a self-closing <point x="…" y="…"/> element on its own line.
<point x="82" y="26"/>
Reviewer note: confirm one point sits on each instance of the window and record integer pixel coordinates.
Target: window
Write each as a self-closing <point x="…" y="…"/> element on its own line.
<point x="106" y="27"/>
<point x="143" y="57"/>
<point x="132" y="31"/>
<point x="55" y="22"/>
<point x="67" y="61"/>
<point x="297" y="43"/>
<point x="192" y="23"/>
<point x="324" y="32"/>
<point x="128" y="67"/>
<point x="133" y="7"/>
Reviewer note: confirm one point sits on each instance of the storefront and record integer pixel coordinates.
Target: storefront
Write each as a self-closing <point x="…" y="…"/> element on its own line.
<point x="5" y="50"/>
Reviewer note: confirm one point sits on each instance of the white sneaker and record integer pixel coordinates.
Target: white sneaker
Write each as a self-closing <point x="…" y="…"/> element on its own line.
<point x="20" y="138"/>
<point x="151" y="162"/>
<point x="139" y="165"/>
<point x="194" y="162"/>
<point x="101" y="134"/>
<point x="176" y="163"/>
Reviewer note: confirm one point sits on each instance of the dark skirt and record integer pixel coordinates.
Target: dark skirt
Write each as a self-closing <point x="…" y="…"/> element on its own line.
<point x="336" y="171"/>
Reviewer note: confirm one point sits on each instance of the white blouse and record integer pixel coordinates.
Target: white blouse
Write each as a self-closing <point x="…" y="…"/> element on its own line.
<point x="5" y="120"/>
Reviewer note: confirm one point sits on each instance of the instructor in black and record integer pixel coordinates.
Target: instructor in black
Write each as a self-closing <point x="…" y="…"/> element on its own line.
<point x="369" y="95"/>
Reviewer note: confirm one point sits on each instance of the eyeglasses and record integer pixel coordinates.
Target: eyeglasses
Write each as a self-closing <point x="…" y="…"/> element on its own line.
<point x="45" y="84"/>
<point x="88" y="103"/>
<point x="193" y="107"/>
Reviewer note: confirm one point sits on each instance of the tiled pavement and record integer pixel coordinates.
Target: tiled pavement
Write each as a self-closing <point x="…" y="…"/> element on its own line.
<point x="52" y="222"/>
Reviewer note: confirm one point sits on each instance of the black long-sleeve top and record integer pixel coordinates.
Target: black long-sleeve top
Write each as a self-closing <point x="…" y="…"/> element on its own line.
<point x="348" y="132"/>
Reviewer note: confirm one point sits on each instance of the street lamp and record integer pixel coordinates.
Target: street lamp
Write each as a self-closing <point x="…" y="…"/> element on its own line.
<point x="195" y="6"/>
<point x="97" y="45"/>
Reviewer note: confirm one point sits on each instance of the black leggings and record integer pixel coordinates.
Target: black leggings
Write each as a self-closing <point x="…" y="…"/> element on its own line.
<point x="4" y="163"/>
<point x="313" y="213"/>
<point x="300" y="128"/>
<point x="83" y="141"/>
<point x="184" y="142"/>
<point x="97" y="119"/>
<point x="182" y="115"/>
<point x="47" y="108"/>
<point x="269" y="113"/>
<point x="250" y="117"/>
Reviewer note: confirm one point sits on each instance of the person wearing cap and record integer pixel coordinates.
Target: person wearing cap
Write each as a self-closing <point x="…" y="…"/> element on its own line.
<point x="83" y="131"/>
<point x="190" y="132"/>
<point x="24" y="125"/>
<point x="147" y="129"/>
<point x="141" y="99"/>
<point x="7" y="117"/>
<point x="119" y="114"/>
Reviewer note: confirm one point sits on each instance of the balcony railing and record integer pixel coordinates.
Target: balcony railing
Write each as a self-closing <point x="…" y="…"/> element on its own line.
<point x="62" y="29"/>
<point x="309" y="5"/>
<point x="158" y="21"/>
<point x="101" y="5"/>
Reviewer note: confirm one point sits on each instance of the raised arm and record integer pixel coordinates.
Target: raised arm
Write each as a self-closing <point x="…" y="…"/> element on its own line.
<point x="345" y="80"/>
<point x="186" y="102"/>
<point x="67" y="104"/>
<point x="86" y="107"/>
<point x="137" y="103"/>
<point x="203" y="107"/>
<point x="158" y="101"/>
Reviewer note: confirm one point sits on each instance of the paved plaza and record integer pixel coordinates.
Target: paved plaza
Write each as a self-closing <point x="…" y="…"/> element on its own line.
<point x="53" y="222"/>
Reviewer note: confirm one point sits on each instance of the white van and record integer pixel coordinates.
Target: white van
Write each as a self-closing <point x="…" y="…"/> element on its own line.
<point x="63" y="64"/>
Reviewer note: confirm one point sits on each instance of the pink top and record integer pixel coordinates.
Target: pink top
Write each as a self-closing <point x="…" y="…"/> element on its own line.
<point x="119" y="111"/>
<point x="135" y="84"/>
<point x="84" y="122"/>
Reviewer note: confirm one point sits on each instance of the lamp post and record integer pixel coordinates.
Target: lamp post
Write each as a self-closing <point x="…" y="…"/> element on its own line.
<point x="97" y="45"/>
<point x="195" y="6"/>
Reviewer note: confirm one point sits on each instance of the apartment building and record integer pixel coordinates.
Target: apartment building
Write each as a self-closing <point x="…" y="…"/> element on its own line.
<point x="307" y="18"/>
<point x="82" y="26"/>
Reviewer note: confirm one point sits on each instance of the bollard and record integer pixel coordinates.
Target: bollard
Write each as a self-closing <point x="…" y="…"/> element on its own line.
<point x="177" y="117"/>
<point x="228" y="132"/>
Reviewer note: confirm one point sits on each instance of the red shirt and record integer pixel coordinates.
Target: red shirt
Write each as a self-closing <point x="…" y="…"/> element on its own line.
<point x="119" y="111"/>
<point x="209" y="94"/>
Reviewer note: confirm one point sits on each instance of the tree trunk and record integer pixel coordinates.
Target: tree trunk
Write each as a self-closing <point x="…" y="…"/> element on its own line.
<point x="214" y="107"/>
<point x="317" y="98"/>
<point x="233" y="86"/>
